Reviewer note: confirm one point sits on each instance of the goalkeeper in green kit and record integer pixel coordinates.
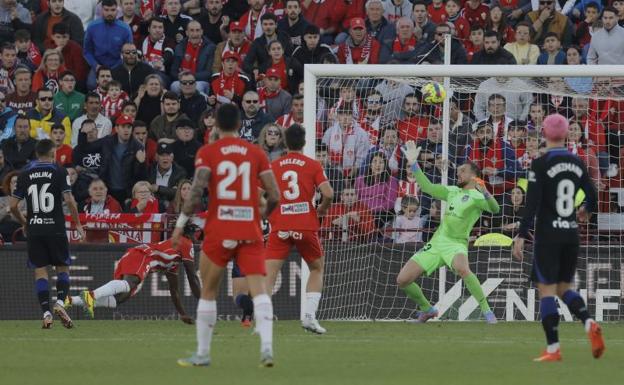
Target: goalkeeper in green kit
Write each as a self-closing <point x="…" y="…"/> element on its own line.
<point x="449" y="244"/>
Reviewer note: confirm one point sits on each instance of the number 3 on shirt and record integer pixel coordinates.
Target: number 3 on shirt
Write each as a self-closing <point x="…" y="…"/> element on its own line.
<point x="232" y="172"/>
<point x="293" y="187"/>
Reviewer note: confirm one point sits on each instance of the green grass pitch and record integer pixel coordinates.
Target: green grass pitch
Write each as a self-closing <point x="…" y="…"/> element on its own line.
<point x="145" y="352"/>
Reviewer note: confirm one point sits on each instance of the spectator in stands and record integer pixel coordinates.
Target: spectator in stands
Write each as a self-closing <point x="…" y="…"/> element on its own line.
<point x="157" y="49"/>
<point x="93" y="108"/>
<point x="104" y="39"/>
<point x="84" y="9"/>
<point x="430" y="159"/>
<point x="176" y="23"/>
<point x="63" y="151"/>
<point x="494" y="157"/>
<point x="165" y="174"/>
<point x="194" y="54"/>
<point x="294" y="25"/>
<point x="514" y="91"/>
<point x="295" y="115"/>
<point x="607" y="44"/>
<point x="275" y="100"/>
<point x="594" y="131"/>
<point x="370" y="120"/>
<point x="334" y="175"/>
<point x="5" y="169"/>
<point x="114" y="100"/>
<point x="47" y="76"/>
<point x="380" y="28"/>
<point x="71" y="52"/>
<point x="8" y="56"/>
<point x="474" y="43"/>
<point x="143" y="200"/>
<point x="349" y="220"/>
<point x="13" y="16"/>
<point x="512" y="213"/>
<point x="547" y="19"/>
<point x="453" y="15"/>
<point x="258" y="58"/>
<point x="311" y="51"/>
<point x="492" y="52"/>
<point x="522" y="50"/>
<point x="405" y="42"/>
<point x="8" y="223"/>
<point x="213" y="21"/>
<point x="432" y="50"/>
<point x="532" y="151"/>
<point x="28" y="54"/>
<point x="394" y="94"/>
<point x="87" y="157"/>
<point x="134" y="21"/>
<point x="207" y="126"/>
<point x="412" y="125"/>
<point x="290" y="71"/>
<point x="103" y="77"/>
<point x="347" y="142"/>
<point x="553" y="54"/>
<point x="476" y="12"/>
<point x="67" y="99"/>
<point x="619" y="6"/>
<point x="496" y="21"/>
<point x="577" y="144"/>
<point x="185" y="146"/>
<point x="582" y="85"/>
<point x="437" y="11"/>
<point x="140" y="133"/>
<point x="229" y="85"/>
<point x="460" y="126"/>
<point x="123" y="160"/>
<point x="393" y="10"/>
<point x="131" y="72"/>
<point x="431" y="221"/>
<point x="19" y="149"/>
<point x="378" y="189"/>
<point x="253" y="119"/>
<point x="271" y="140"/>
<point x="148" y="98"/>
<point x="7" y="120"/>
<point x="516" y="136"/>
<point x="421" y="18"/>
<point x="536" y="116"/>
<point x="23" y="98"/>
<point x="587" y="26"/>
<point x="360" y="47"/>
<point x="556" y="101"/>
<point x="163" y="126"/>
<point x="44" y="115"/>
<point x="192" y="102"/>
<point x="389" y="145"/>
<point x="409" y="221"/>
<point x="45" y="21"/>
<point x="99" y="202"/>
<point x="129" y="108"/>
<point x="251" y="19"/>
<point x="236" y="42"/>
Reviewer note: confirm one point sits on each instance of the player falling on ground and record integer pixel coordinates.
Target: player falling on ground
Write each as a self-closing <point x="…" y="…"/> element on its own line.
<point x="554" y="180"/>
<point x="135" y="265"/>
<point x="45" y="186"/>
<point x="449" y="244"/>
<point x="295" y="222"/>
<point x="232" y="169"/>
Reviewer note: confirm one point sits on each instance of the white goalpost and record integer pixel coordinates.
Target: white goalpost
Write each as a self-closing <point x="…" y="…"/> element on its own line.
<point x="361" y="269"/>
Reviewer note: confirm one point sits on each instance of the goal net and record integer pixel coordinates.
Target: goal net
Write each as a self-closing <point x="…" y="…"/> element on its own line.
<point x="359" y="117"/>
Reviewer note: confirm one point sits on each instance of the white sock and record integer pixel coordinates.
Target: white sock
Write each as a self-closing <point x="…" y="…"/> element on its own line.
<point x="206" y="320"/>
<point x="109" y="302"/>
<point x="263" y="313"/>
<point x="588" y="323"/>
<point x="76" y="300"/>
<point x="552" y="347"/>
<point x="312" y="303"/>
<point x="113" y="287"/>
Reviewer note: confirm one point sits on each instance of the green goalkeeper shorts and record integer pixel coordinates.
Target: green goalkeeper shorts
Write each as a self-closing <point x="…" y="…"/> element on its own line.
<point x="435" y="255"/>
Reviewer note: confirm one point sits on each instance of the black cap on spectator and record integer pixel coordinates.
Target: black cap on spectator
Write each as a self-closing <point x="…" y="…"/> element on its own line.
<point x="60" y="29"/>
<point x="312" y="30"/>
<point x="164" y="148"/>
<point x="185" y="123"/>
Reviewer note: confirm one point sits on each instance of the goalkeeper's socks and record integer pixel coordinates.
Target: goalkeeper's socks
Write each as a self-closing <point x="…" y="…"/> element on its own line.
<point x="415" y="293"/>
<point x="311" y="305"/>
<point x="244" y="302"/>
<point x="108" y="302"/>
<point x="550" y="320"/>
<point x="577" y="306"/>
<point x="206" y="320"/>
<point x="43" y="294"/>
<point x="263" y="312"/>
<point x="62" y="287"/>
<point x="111" y="288"/>
<point x="474" y="287"/>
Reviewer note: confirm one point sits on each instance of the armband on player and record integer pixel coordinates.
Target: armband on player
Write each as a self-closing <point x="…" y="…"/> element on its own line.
<point x="182" y="219"/>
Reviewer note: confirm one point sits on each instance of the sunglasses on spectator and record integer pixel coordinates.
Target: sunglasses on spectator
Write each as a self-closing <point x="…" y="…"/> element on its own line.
<point x="46" y="98"/>
<point x="252" y="101"/>
<point x="187" y="82"/>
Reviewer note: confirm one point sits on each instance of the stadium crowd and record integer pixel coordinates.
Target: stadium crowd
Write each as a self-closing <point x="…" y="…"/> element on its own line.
<point x="127" y="89"/>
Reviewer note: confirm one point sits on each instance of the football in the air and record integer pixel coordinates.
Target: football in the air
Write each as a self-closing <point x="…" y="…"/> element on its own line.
<point x="433" y="93"/>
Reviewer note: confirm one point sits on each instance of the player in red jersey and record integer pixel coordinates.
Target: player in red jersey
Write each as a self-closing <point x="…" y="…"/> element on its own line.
<point x="232" y="169"/>
<point x="295" y="222"/>
<point x="136" y="264"/>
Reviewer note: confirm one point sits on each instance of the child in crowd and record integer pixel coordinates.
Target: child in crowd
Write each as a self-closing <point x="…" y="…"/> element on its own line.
<point x="553" y="54"/>
<point x="63" y="151"/>
<point x="27" y="52"/>
<point x="408" y="219"/>
<point x="114" y="100"/>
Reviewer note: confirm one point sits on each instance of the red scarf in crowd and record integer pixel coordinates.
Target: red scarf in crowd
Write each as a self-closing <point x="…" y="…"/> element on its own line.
<point x="281" y="69"/>
<point x="264" y="94"/>
<point x="397" y="46"/>
<point x="366" y="51"/>
<point x="150" y="208"/>
<point x="153" y="51"/>
<point x="191" y="55"/>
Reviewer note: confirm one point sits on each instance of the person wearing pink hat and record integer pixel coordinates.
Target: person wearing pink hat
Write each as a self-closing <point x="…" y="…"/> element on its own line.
<point x="360" y="47"/>
<point x="554" y="180"/>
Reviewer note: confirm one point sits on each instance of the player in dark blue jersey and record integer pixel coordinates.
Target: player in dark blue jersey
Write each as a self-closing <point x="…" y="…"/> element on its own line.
<point x="554" y="180"/>
<point x="45" y="186"/>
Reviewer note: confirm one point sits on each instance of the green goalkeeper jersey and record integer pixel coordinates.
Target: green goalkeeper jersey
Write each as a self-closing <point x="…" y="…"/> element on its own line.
<point x="463" y="210"/>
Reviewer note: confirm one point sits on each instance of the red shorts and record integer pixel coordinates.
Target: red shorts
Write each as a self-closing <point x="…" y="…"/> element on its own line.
<point x="307" y="243"/>
<point x="134" y="262"/>
<point x="249" y="256"/>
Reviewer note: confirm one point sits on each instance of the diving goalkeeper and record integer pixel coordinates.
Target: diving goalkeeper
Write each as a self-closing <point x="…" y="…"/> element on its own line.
<point x="449" y="244"/>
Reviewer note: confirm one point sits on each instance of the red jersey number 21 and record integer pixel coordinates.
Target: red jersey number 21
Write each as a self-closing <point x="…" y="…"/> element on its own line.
<point x="232" y="171"/>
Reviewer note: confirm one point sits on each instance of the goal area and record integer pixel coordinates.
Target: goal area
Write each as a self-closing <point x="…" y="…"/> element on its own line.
<point x="357" y="118"/>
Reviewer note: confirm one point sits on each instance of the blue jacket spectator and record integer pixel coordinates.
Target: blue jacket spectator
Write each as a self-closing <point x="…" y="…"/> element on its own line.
<point x="560" y="58"/>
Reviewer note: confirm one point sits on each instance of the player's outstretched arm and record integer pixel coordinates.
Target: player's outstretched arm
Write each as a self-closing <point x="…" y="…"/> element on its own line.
<point x="437" y="191"/>
<point x="200" y="182"/>
<point x="269" y="184"/>
<point x="73" y="210"/>
<point x="193" y="279"/>
<point x="172" y="280"/>
<point x="490" y="204"/>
